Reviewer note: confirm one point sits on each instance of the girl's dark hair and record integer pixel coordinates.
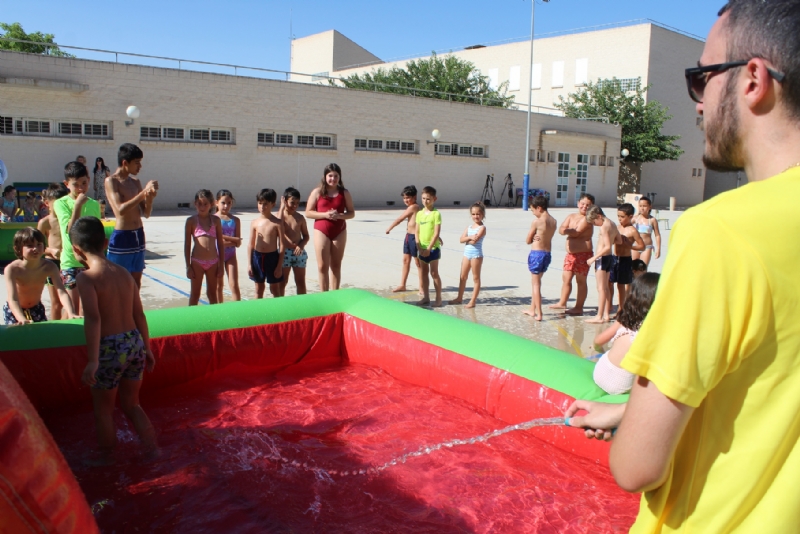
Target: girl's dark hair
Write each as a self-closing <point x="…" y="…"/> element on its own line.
<point x="102" y="164"/>
<point x="646" y="199"/>
<point x="8" y="189"/>
<point x="331" y="167"/>
<point x="206" y="194"/>
<point x="225" y="193"/>
<point x="639" y="301"/>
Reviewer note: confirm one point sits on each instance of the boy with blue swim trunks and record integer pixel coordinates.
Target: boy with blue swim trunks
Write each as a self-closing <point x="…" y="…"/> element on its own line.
<point x="117" y="339"/>
<point x="129" y="201"/>
<point x="540" y="238"/>
<point x="429" y="226"/>
<point x="410" y="242"/>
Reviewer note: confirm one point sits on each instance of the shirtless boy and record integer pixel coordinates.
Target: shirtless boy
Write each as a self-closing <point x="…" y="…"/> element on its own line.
<point x="603" y="260"/>
<point x="579" y="249"/>
<point x="265" y="247"/>
<point x="129" y="202"/>
<point x="25" y="280"/>
<point x="540" y="237"/>
<point x="622" y="271"/>
<point x="410" y="242"/>
<point x="295" y="239"/>
<point x="117" y="340"/>
<point x="48" y="225"/>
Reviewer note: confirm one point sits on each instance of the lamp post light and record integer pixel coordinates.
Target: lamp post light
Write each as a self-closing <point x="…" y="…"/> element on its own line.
<point x="436" y="134"/>
<point x="526" y="178"/>
<point x="625" y="153"/>
<point x="133" y="113"/>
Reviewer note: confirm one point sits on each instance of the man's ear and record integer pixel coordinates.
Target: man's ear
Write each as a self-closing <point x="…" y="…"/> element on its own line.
<point x="760" y="89"/>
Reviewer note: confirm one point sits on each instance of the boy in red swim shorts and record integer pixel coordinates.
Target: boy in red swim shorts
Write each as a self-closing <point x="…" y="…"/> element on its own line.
<point x="579" y="249"/>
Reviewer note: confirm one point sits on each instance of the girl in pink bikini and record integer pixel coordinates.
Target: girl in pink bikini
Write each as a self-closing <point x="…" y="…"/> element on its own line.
<point x="330" y="205"/>
<point x="206" y="259"/>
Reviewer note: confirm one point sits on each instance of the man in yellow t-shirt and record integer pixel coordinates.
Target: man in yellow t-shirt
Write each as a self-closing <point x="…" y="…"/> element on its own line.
<point x="710" y="433"/>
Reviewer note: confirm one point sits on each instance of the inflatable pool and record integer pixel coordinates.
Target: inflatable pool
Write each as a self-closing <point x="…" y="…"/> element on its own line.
<point x="273" y="416"/>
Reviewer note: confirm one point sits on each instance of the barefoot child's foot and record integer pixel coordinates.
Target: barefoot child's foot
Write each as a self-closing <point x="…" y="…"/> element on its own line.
<point x="398" y="289"/>
<point x="423" y="302"/>
<point x="558" y="306"/>
<point x="574" y="311"/>
<point x="470" y="304"/>
<point x="437" y="304"/>
<point x="455" y="301"/>
<point x="596" y="320"/>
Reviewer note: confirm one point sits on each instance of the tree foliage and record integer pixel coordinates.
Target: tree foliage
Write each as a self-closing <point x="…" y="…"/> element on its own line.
<point x="641" y="124"/>
<point x="15" y="31"/>
<point x="448" y="78"/>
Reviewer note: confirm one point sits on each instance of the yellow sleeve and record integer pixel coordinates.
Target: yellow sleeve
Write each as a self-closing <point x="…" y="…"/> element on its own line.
<point x="712" y="309"/>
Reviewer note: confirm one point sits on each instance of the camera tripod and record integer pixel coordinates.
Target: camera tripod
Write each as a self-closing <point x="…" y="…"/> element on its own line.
<point x="487" y="197"/>
<point x="508" y="189"/>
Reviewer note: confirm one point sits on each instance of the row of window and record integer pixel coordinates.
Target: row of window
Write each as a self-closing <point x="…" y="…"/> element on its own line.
<point x="57" y="128"/>
<point x="549" y="156"/>
<point x="190" y="134"/>
<point x="556" y="76"/>
<point x="697" y="172"/>
<point x="461" y="150"/>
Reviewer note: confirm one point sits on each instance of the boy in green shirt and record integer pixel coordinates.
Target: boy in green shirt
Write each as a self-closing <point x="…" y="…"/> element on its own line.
<point x="429" y="226"/>
<point x="69" y="209"/>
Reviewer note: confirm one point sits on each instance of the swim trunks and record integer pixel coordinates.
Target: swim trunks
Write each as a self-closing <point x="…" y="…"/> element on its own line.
<point x="290" y="259"/>
<point x="410" y="245"/>
<point x="70" y="276"/>
<point x="622" y="273"/>
<point x="126" y="249"/>
<point x="35" y="314"/>
<point x="263" y="265"/>
<point x="436" y="254"/>
<point x="539" y="261"/>
<point x="121" y="356"/>
<point x="604" y="263"/>
<point x="577" y="262"/>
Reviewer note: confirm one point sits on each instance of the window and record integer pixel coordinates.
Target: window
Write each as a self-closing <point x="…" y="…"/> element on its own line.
<point x="583" y="165"/>
<point x="149" y="132"/>
<point x="563" y="165"/>
<point x="581" y="71"/>
<point x="284" y="139"/>
<point x="625" y="84"/>
<point x="464" y="150"/>
<point x="6" y="125"/>
<point x="610" y="161"/>
<point x="558" y="74"/>
<point x="694" y="172"/>
<point x="461" y="150"/>
<point x="541" y="156"/>
<point x="444" y="149"/>
<point x="171" y="133"/>
<point x="387" y="145"/>
<point x="58" y="128"/>
<point x="36" y="127"/>
<point x="477" y="151"/>
<point x="699" y="172"/>
<point x="198" y="135"/>
<point x="305" y="140"/>
<point x="323" y="141"/>
<point x="551" y="156"/>
<point x="186" y="134"/>
<point x="290" y="139"/>
<point x="95" y="130"/>
<point x="602" y="161"/>
<point x="537" y="76"/>
<point x="69" y="128"/>
<point x="494" y="78"/>
<point x="513" y="78"/>
<point x="592" y="160"/>
<point x="221" y="136"/>
<point x="320" y="76"/>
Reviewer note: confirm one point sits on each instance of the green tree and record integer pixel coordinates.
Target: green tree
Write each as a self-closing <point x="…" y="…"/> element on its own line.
<point x="641" y="124"/>
<point x="448" y="78"/>
<point x="15" y="31"/>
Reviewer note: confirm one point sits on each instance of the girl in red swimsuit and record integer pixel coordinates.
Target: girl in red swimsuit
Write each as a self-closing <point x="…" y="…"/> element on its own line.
<point x="330" y="205"/>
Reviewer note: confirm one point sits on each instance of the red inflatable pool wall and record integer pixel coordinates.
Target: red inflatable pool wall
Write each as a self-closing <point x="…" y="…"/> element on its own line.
<point x="51" y="379"/>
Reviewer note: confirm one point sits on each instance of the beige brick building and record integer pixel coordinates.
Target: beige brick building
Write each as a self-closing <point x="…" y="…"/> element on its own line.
<point x="200" y="130"/>
<point x="645" y="53"/>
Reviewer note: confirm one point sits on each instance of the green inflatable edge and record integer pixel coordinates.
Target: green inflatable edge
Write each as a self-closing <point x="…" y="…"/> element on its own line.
<point x="550" y="367"/>
<point x="8" y="230"/>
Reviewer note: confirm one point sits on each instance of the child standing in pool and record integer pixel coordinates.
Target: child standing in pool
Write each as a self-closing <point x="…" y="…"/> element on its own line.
<point x="48" y="225"/>
<point x="429" y="226"/>
<point x="232" y="237"/>
<point x="647" y="226"/>
<point x="330" y="205"/>
<point x="206" y="259"/>
<point x="473" y="254"/>
<point x="295" y="239"/>
<point x="540" y="238"/>
<point x="117" y="340"/>
<point x="265" y="246"/>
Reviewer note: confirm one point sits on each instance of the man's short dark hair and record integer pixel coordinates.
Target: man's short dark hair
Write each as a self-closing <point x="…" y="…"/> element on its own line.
<point x="768" y="30"/>
<point x="627" y="209"/>
<point x="587" y="195"/>
<point x="539" y="201"/>
<point x="74" y="170"/>
<point x="129" y="152"/>
<point x="267" y="195"/>
<point x="89" y="235"/>
<point x="429" y="190"/>
<point x="409" y="191"/>
<point x="291" y="192"/>
<point x="27" y="236"/>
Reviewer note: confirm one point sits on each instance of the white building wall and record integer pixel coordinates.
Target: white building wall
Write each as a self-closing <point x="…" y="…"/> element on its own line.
<point x="174" y="97"/>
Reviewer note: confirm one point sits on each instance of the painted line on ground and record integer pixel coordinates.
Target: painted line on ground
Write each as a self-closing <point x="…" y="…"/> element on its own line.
<point x="571" y="341"/>
<point x="184" y="293"/>
<point x="225" y="291"/>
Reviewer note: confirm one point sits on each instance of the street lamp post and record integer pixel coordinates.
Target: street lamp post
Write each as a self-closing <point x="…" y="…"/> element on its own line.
<point x="526" y="178"/>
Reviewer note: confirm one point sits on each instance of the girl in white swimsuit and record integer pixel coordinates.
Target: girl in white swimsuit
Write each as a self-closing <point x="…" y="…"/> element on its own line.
<point x="608" y="374"/>
<point x="646" y="225"/>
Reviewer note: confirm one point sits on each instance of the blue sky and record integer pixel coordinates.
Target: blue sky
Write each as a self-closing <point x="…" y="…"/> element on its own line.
<point x="256" y="33"/>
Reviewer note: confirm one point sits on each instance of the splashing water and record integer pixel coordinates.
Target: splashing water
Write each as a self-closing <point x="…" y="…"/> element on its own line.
<point x="422" y="451"/>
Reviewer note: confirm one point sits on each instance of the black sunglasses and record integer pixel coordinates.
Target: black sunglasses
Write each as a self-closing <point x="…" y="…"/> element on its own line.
<point x="697" y="77"/>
